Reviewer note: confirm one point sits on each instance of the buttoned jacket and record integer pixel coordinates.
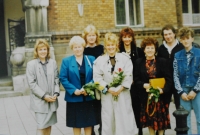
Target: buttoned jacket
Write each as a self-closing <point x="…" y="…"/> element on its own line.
<point x="141" y="77"/>
<point x="187" y="73"/>
<point x="40" y="84"/>
<point x="70" y="78"/>
<point x="102" y="69"/>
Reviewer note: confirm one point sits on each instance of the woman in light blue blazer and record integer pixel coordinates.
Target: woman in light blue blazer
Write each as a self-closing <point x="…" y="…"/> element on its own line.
<point x="76" y="71"/>
<point x="42" y="77"/>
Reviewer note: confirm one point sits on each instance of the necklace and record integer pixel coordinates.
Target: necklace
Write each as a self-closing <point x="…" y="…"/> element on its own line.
<point x="128" y="52"/>
<point x="127" y="49"/>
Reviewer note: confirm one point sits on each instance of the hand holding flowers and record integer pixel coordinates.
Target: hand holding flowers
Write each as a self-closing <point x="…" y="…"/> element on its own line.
<point x="115" y="88"/>
<point x="91" y="87"/>
<point x="153" y="95"/>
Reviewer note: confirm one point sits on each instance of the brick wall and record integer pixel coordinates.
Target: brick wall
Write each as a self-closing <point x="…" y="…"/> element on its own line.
<point x="159" y="12"/>
<point x="63" y="14"/>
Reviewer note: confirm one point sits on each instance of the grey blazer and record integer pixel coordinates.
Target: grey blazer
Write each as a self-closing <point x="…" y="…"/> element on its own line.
<point x="40" y="85"/>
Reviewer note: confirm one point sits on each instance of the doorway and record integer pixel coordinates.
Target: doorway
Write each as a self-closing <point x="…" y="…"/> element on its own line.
<point x="3" y="61"/>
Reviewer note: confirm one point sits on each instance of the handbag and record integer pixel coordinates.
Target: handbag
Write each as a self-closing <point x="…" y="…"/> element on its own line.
<point x="157" y="82"/>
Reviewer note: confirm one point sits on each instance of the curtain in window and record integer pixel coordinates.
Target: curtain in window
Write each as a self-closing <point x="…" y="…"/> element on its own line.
<point x="120" y="12"/>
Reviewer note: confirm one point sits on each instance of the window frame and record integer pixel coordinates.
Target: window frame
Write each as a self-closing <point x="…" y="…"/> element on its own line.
<point x="127" y="14"/>
<point x="190" y="15"/>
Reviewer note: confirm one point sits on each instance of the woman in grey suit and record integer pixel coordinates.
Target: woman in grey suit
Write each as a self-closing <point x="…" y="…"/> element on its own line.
<point x="43" y="80"/>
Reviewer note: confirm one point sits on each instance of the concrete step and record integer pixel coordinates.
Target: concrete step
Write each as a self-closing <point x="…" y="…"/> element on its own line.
<point x="6" y="81"/>
<point x="5" y="94"/>
<point x="6" y="88"/>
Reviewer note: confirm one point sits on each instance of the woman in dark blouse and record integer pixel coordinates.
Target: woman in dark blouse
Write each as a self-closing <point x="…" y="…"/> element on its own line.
<point x="93" y="48"/>
<point x="147" y="68"/>
<point x="91" y="36"/>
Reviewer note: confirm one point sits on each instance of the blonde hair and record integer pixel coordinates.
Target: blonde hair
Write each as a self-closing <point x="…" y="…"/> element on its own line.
<point x="76" y="40"/>
<point x="88" y="29"/>
<point x="41" y="43"/>
<point x="113" y="38"/>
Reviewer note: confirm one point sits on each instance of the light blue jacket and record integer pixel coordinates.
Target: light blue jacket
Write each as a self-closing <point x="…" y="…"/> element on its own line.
<point x="70" y="78"/>
<point x="187" y="74"/>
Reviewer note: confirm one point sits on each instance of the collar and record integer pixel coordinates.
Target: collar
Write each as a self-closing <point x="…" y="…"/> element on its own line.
<point x="170" y="48"/>
<point x="39" y="61"/>
<point x="191" y="51"/>
<point x="89" y="46"/>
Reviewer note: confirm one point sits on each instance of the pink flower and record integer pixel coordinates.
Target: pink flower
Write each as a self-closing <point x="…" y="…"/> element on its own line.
<point x="120" y="69"/>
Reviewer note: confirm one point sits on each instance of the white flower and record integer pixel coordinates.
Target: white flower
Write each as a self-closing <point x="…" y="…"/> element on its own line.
<point x="115" y="75"/>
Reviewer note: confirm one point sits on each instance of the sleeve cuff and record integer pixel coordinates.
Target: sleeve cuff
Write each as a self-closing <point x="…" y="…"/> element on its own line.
<point x="181" y="93"/>
<point x="56" y="93"/>
<point x="43" y="96"/>
<point x="196" y="91"/>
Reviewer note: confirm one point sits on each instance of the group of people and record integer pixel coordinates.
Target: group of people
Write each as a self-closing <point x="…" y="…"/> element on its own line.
<point x="121" y="110"/>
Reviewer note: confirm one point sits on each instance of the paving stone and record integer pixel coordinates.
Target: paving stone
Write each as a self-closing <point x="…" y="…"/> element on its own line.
<point x="16" y="118"/>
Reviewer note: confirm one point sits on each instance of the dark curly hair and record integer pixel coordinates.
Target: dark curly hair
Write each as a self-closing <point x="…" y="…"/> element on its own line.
<point x="149" y="41"/>
<point x="124" y="32"/>
<point x="168" y="27"/>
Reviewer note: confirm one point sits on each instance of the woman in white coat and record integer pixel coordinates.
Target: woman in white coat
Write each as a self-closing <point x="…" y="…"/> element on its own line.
<point x="42" y="77"/>
<point x="117" y="115"/>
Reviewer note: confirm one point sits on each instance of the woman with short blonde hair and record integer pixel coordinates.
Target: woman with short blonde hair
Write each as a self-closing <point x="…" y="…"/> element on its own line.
<point x="117" y="114"/>
<point x="41" y="43"/>
<point x="42" y="77"/>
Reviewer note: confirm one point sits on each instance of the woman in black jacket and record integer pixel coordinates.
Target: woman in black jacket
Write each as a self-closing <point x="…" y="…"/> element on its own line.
<point x="148" y="68"/>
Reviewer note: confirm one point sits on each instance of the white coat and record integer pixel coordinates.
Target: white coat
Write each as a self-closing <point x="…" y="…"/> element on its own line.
<point x="117" y="116"/>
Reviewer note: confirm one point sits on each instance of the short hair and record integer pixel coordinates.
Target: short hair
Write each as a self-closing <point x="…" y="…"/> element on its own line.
<point x="113" y="38"/>
<point x="88" y="29"/>
<point x="76" y="40"/>
<point x="168" y="27"/>
<point x="185" y="32"/>
<point x="41" y="43"/>
<point x="124" y="32"/>
<point x="148" y="41"/>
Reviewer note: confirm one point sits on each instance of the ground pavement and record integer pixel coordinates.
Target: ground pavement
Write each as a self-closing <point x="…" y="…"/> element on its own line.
<point x="16" y="118"/>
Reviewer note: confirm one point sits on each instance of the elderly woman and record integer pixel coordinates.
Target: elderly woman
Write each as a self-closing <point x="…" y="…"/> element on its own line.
<point x="42" y="76"/>
<point x="155" y="115"/>
<point x="91" y="36"/>
<point x="117" y="114"/>
<point x="128" y="45"/>
<point x="76" y="71"/>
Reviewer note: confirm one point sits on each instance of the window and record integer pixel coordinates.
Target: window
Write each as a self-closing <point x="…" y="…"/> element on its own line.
<point x="191" y="12"/>
<point x="128" y="12"/>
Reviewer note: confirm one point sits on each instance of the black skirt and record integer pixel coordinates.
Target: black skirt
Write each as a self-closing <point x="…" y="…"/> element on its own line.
<point x="81" y="114"/>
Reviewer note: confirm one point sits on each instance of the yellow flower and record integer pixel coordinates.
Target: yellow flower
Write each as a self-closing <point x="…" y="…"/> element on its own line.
<point x="101" y="88"/>
<point x="96" y="82"/>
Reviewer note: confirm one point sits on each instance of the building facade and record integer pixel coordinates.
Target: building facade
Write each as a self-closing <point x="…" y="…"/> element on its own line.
<point x="66" y="18"/>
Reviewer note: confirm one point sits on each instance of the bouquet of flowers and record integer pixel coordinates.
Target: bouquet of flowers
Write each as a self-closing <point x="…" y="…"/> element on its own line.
<point x="118" y="77"/>
<point x="91" y="87"/>
<point x="153" y="96"/>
